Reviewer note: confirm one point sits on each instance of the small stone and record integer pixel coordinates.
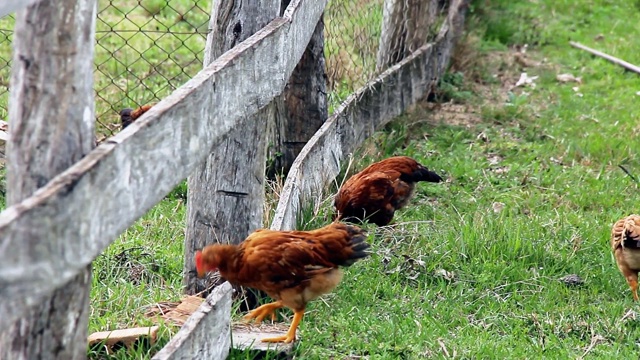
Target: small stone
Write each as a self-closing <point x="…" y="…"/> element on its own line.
<point x="572" y="280"/>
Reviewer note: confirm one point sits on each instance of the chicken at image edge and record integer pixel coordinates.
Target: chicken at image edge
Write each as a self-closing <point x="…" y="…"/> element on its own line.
<point x="625" y="243"/>
<point x="375" y="193"/>
<point x="292" y="267"/>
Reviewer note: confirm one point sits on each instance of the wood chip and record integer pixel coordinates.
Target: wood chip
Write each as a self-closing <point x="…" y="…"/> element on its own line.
<point x="176" y="312"/>
<point x="123" y="337"/>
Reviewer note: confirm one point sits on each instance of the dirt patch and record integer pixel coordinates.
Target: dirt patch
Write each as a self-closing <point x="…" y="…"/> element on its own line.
<point x="466" y="115"/>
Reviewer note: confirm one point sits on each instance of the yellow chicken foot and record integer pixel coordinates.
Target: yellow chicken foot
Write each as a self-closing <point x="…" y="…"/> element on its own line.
<point x="291" y="334"/>
<point x="261" y="312"/>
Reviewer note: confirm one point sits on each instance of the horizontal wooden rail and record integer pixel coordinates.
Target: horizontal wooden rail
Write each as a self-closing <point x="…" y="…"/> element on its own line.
<point x="47" y="238"/>
<point x="372" y="106"/>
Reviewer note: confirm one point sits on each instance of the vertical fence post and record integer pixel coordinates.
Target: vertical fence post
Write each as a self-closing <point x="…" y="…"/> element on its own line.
<point x="225" y="195"/>
<point x="51" y="113"/>
<point x="302" y="108"/>
<point x="405" y="27"/>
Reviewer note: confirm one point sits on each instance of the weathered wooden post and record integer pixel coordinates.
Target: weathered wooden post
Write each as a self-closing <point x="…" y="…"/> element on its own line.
<point x="405" y="27"/>
<point x="226" y="193"/>
<point x="51" y="112"/>
<point x="302" y="108"/>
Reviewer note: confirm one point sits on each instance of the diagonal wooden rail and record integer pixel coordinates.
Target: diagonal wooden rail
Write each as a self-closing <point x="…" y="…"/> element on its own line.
<point x="47" y="238"/>
<point x="369" y="108"/>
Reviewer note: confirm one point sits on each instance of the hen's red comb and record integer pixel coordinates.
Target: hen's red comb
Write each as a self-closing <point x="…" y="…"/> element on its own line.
<point x="199" y="264"/>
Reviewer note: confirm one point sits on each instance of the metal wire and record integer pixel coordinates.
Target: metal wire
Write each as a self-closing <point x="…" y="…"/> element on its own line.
<point x="147" y="48"/>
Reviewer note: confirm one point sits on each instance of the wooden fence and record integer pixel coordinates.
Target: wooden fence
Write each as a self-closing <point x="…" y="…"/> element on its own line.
<point x="49" y="238"/>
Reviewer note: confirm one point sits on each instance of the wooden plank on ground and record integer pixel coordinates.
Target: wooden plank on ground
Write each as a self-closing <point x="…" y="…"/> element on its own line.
<point x="123" y="337"/>
<point x="372" y="106"/>
<point x="46" y="239"/>
<point x="249" y="336"/>
<point x="208" y="326"/>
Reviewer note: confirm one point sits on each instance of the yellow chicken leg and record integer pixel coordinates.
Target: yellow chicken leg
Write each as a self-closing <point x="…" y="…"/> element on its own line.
<point x="261" y="312"/>
<point x="633" y="284"/>
<point x="291" y="334"/>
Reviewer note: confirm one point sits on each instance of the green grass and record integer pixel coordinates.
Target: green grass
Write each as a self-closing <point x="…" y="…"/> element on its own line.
<point x="552" y="160"/>
<point x="454" y="277"/>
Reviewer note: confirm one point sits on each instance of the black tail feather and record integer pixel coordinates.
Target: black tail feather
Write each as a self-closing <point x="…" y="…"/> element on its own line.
<point x="358" y="245"/>
<point x="631" y="240"/>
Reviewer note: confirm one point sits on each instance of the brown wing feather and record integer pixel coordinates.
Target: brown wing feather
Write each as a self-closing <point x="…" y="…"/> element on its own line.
<point x="273" y="261"/>
<point x="625" y="229"/>
<point x="135" y="114"/>
<point x="366" y="195"/>
<point x="395" y="166"/>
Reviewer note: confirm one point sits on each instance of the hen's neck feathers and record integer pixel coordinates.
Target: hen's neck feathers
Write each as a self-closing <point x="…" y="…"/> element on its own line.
<point x="227" y="253"/>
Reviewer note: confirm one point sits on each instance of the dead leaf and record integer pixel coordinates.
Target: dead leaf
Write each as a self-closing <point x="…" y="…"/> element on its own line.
<point x="565" y="78"/>
<point x="494" y="159"/>
<point x="629" y="315"/>
<point x="526" y="80"/>
<point x="497" y="207"/>
<point x="447" y="275"/>
<point x="483" y="137"/>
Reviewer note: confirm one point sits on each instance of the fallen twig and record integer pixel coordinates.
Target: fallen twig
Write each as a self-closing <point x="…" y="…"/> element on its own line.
<point x="613" y="59"/>
<point x="628" y="173"/>
<point x="595" y="340"/>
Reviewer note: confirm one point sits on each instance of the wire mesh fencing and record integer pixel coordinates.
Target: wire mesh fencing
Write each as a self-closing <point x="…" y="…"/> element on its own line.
<point x="365" y="37"/>
<point x="145" y="49"/>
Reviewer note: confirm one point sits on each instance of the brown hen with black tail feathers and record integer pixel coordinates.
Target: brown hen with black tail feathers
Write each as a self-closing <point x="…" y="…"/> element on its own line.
<point x="293" y="267"/>
<point x="625" y="243"/>
<point x="375" y="193"/>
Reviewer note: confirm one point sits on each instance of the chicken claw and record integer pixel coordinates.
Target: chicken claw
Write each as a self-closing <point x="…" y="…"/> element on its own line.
<point x="291" y="334"/>
<point x="261" y="312"/>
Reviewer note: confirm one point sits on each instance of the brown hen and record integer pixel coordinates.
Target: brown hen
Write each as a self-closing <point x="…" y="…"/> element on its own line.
<point x="625" y="243"/>
<point x="127" y="116"/>
<point x="375" y="193"/>
<point x="293" y="267"/>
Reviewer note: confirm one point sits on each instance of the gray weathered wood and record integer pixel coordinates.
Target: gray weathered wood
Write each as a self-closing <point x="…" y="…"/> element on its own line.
<point x="379" y="101"/>
<point x="9" y="6"/>
<point x="302" y="108"/>
<point x="101" y="195"/>
<point x="225" y="194"/>
<point x="405" y="28"/>
<point x="206" y="334"/>
<point x="51" y="111"/>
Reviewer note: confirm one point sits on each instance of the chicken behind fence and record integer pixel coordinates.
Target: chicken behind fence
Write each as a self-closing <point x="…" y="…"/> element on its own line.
<point x="128" y="116"/>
